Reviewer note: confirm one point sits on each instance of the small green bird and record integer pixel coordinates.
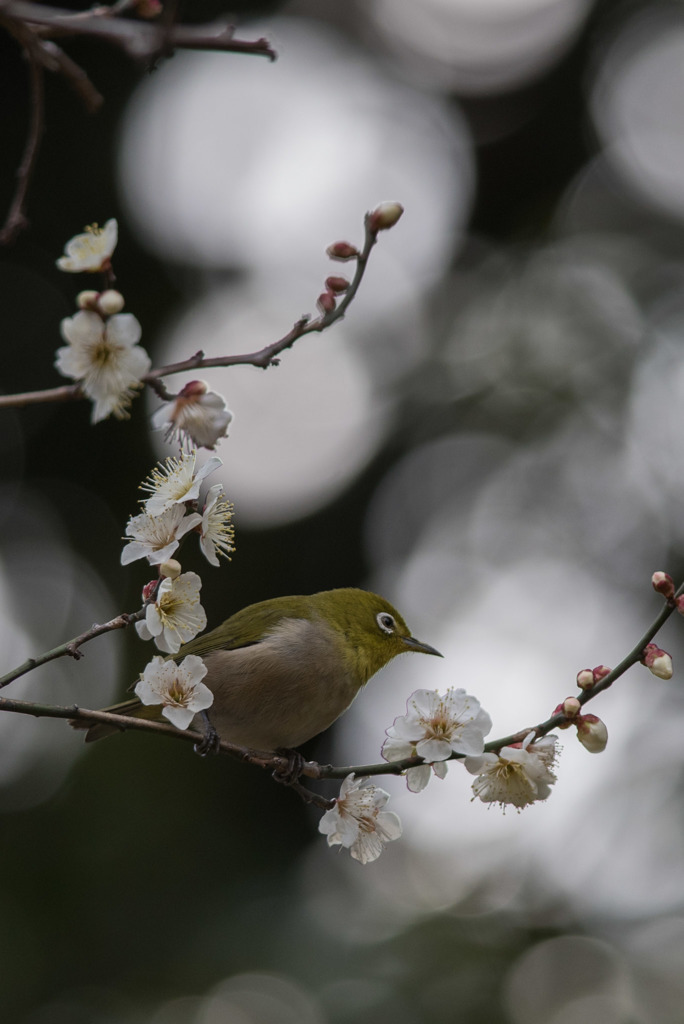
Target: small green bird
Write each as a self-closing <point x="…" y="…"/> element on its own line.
<point x="281" y="671"/>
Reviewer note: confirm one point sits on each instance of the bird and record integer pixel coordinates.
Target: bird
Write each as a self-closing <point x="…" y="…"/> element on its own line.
<point x="282" y="670"/>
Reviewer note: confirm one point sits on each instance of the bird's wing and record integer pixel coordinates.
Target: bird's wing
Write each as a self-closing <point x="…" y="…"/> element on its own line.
<point x="246" y="627"/>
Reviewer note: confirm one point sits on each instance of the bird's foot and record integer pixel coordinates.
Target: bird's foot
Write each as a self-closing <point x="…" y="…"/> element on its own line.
<point x="211" y="740"/>
<point x="289" y="773"/>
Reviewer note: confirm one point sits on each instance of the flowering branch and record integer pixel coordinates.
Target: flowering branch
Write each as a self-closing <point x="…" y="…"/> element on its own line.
<point x="72" y="647"/>
<point x="332" y="308"/>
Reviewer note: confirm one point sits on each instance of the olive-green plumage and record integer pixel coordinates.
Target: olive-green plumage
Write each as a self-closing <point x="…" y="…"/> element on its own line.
<point x="283" y="670"/>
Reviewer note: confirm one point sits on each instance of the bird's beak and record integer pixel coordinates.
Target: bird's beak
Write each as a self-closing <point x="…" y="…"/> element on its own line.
<point x="417" y="645"/>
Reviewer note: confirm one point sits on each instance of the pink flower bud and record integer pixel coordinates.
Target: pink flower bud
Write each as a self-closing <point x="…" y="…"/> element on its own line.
<point x="559" y="710"/>
<point x="336" y="285"/>
<point x="342" y="251"/>
<point x="171" y="569"/>
<point x="592" y="733"/>
<point x="149" y="590"/>
<point x="385" y="216"/>
<point x="110" y="302"/>
<point x="663" y="584"/>
<point x="326" y="302"/>
<point x="585" y="679"/>
<point x="571" y="707"/>
<point x="87" y="300"/>
<point x="679" y="603"/>
<point x="600" y="672"/>
<point x="657" y="661"/>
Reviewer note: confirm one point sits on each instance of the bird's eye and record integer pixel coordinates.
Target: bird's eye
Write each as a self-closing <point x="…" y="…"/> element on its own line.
<point x="386" y="622"/>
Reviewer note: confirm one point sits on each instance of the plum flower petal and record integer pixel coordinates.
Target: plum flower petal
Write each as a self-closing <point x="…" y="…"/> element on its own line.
<point x="176" y="616"/>
<point x="178" y="687"/>
<point x="104" y="356"/>
<point x="217" y="531"/>
<point x="91" y="251"/>
<point x="175" y="482"/>
<point x="518" y="775"/>
<point x="358" y="821"/>
<point x="157" y="537"/>
<point x="197" y="417"/>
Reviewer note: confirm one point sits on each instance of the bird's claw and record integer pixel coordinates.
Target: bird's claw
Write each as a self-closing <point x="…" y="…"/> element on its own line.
<point x="289" y="773"/>
<point x="211" y="740"/>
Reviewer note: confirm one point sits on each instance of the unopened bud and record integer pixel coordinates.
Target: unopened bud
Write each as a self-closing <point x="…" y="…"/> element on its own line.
<point x="171" y="569"/>
<point x="679" y="603"/>
<point x="571" y="707"/>
<point x="657" y="661"/>
<point x="87" y="300"/>
<point x="336" y="285"/>
<point x="149" y="590"/>
<point x="663" y="584"/>
<point x="148" y="8"/>
<point x="385" y="216"/>
<point x="585" y="679"/>
<point x="558" y="710"/>
<point x="110" y="302"/>
<point x="342" y="251"/>
<point x="600" y="672"/>
<point x="326" y="302"/>
<point x="592" y="733"/>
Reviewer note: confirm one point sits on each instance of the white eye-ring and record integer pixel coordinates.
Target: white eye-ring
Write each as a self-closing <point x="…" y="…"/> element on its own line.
<point x="386" y="622"/>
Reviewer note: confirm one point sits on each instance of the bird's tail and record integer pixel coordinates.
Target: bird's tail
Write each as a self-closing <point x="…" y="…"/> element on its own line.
<point x="98" y="730"/>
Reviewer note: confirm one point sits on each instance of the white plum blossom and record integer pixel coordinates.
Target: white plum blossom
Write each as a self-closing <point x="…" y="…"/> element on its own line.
<point x="176" y="615"/>
<point x="358" y="822"/>
<point x="434" y="727"/>
<point x="175" y="482"/>
<point x="197" y="417"/>
<point x="91" y="251"/>
<point x="217" y="532"/>
<point x="517" y="775"/>
<point x="157" y="537"/>
<point x="104" y="356"/>
<point x="178" y="687"/>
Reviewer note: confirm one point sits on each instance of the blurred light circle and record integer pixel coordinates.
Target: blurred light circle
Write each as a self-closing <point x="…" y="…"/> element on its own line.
<point x="638" y="107"/>
<point x="229" y="161"/>
<point x="302" y="430"/>
<point x="479" y="46"/>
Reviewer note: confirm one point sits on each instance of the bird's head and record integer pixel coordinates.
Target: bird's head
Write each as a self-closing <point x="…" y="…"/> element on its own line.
<point x="371" y="632"/>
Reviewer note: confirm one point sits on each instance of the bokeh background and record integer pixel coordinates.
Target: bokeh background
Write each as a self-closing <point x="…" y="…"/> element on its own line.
<point x="493" y="438"/>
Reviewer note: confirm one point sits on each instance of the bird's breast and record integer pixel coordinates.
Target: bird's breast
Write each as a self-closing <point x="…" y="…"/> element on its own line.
<point x="282" y="691"/>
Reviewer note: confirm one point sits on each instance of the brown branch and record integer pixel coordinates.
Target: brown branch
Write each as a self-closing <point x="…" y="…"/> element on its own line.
<point x="16" y="219"/>
<point x="265" y="357"/>
<point x="71" y="648"/>
<point x="139" y="39"/>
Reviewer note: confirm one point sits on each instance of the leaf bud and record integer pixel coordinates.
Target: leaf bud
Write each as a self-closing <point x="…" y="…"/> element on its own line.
<point x="342" y="251"/>
<point x="326" y="302"/>
<point x="592" y="733"/>
<point x="585" y="679"/>
<point x="110" y="302"/>
<point x="385" y="216"/>
<point x="336" y="285"/>
<point x="657" y="661"/>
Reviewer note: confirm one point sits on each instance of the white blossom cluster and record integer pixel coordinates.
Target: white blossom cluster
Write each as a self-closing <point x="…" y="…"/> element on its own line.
<point x="103" y="355"/>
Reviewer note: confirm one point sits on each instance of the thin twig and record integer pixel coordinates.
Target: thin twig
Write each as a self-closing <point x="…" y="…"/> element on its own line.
<point x="16" y="219"/>
<point x="72" y="647"/>
<point x="138" y="39"/>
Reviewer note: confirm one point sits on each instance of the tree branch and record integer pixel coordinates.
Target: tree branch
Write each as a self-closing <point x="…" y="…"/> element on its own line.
<point x="139" y="39"/>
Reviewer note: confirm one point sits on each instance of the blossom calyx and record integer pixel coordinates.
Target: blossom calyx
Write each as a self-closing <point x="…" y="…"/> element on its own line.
<point x="592" y="733"/>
